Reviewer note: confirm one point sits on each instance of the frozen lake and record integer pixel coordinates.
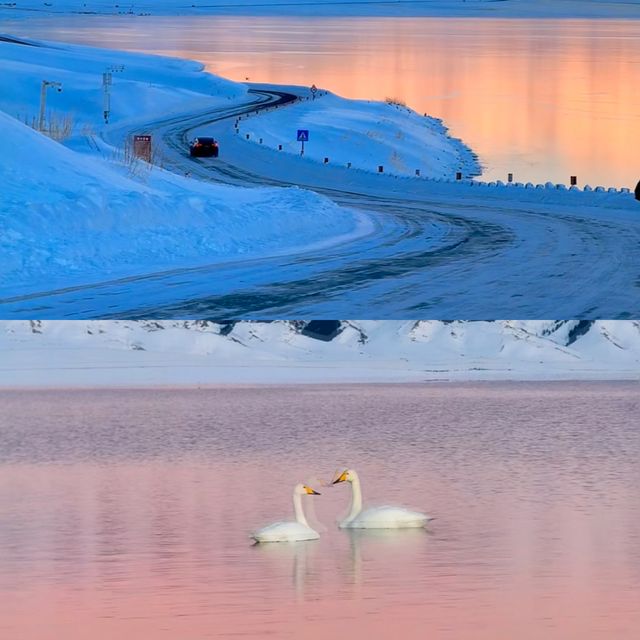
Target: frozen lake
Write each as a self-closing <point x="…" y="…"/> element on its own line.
<point x="127" y="513"/>
<point x="543" y="99"/>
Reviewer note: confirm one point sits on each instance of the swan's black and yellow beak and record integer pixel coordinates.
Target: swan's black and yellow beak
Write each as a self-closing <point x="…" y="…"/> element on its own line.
<point x="341" y="478"/>
<point x="311" y="492"/>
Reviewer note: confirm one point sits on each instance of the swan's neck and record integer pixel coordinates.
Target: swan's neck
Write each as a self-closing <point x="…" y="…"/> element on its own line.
<point x="356" y="498"/>
<point x="297" y="508"/>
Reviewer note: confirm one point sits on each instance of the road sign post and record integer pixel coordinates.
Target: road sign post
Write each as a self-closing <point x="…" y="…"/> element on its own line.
<point x="303" y="136"/>
<point x="106" y="89"/>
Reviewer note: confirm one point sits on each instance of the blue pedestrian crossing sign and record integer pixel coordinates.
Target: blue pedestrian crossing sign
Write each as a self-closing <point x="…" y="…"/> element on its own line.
<point x="303" y="135"/>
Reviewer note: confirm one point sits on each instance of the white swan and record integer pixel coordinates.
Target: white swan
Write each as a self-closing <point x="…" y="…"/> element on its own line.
<point x="290" y="531"/>
<point x="376" y="517"/>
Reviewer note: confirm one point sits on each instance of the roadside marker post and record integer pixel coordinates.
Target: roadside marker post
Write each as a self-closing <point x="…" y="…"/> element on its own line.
<point x="303" y="136"/>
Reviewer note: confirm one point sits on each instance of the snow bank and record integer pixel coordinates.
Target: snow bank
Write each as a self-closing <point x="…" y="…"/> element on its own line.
<point x="121" y="353"/>
<point x="67" y="218"/>
<point x="467" y="8"/>
<point x="365" y="135"/>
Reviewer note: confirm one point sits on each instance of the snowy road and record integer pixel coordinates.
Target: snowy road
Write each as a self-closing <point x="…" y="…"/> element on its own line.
<point x="440" y="251"/>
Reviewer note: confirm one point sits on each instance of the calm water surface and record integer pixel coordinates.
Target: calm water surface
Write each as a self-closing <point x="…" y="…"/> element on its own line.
<point x="544" y="99"/>
<point x="127" y="513"/>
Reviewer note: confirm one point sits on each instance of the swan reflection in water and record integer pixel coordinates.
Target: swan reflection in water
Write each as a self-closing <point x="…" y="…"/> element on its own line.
<point x="374" y="552"/>
<point x="299" y="558"/>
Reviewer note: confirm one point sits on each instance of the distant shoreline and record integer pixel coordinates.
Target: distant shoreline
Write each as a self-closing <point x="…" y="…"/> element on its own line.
<point x="61" y="369"/>
<point x="459" y="383"/>
<point x="491" y="9"/>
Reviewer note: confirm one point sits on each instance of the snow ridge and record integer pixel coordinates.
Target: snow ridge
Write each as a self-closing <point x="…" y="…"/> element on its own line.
<point x="122" y="353"/>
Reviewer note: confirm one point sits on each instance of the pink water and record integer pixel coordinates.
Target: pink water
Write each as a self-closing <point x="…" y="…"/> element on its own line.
<point x="126" y="514"/>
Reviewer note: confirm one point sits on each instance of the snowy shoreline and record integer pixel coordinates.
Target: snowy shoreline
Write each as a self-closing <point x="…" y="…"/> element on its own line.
<point x="116" y="353"/>
<point x="363" y="134"/>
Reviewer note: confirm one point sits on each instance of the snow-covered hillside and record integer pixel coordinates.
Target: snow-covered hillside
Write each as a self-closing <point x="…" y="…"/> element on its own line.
<point x="470" y="8"/>
<point x="84" y="212"/>
<point x="87" y="353"/>
<point x="142" y="85"/>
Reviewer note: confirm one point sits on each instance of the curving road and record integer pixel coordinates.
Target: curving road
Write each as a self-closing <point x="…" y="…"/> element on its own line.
<point x="437" y="251"/>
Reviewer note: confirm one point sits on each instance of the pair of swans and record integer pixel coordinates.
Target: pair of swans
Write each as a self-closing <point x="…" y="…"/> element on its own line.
<point x="373" y="518"/>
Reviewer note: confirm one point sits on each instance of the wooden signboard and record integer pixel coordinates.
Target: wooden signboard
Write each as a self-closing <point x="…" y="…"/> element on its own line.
<point x="142" y="147"/>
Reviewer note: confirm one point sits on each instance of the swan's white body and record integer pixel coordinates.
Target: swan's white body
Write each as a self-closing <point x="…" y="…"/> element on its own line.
<point x="376" y="517"/>
<point x="290" y="531"/>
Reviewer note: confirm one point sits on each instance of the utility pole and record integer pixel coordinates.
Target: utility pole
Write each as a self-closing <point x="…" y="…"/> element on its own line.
<point x="43" y="100"/>
<point x="106" y="89"/>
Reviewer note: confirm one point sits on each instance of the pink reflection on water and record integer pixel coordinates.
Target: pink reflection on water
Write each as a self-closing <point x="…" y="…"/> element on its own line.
<point x="536" y="532"/>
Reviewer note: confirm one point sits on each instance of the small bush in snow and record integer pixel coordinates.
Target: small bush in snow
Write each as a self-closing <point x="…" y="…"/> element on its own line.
<point x="396" y="102"/>
<point x="57" y="126"/>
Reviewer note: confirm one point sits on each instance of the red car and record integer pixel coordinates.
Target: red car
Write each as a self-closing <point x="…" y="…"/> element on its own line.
<point x="203" y="148"/>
